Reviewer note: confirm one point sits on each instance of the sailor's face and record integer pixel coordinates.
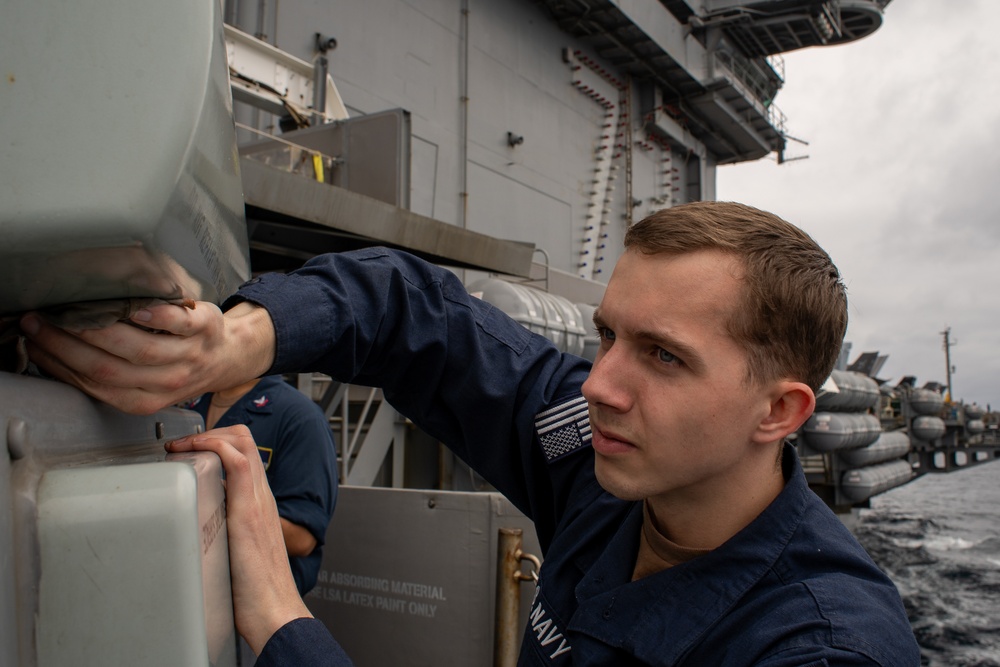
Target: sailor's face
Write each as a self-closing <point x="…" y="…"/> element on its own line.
<point x="670" y="410"/>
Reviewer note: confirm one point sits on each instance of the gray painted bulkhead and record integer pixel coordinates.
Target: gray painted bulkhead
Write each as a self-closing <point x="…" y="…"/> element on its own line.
<point x="507" y="58"/>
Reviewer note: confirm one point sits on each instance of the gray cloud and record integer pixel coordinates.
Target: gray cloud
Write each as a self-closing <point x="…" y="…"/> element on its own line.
<point x="901" y="185"/>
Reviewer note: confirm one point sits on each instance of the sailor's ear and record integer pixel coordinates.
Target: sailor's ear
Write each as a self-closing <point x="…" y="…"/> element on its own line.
<point x="791" y="404"/>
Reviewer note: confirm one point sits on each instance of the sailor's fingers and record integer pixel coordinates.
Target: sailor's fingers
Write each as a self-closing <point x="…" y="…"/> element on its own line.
<point x="136" y="370"/>
<point x="237" y="450"/>
<point x="141" y="371"/>
<point x="184" y="321"/>
<point x="107" y="377"/>
<point x="193" y="330"/>
<point x="132" y="343"/>
<point x="107" y="355"/>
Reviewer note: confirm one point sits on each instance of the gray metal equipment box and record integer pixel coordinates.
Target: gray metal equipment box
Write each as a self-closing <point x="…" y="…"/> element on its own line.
<point x="410" y="577"/>
<point x="111" y="551"/>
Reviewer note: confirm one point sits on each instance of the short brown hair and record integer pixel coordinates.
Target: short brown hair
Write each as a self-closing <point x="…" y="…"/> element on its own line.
<point x="793" y="315"/>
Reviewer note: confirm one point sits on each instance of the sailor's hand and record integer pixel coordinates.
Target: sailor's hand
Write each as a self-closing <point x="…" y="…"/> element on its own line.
<point x="264" y="594"/>
<point x="193" y="350"/>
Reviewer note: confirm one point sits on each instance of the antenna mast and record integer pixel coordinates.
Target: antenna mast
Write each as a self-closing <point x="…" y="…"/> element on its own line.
<point x="947" y="359"/>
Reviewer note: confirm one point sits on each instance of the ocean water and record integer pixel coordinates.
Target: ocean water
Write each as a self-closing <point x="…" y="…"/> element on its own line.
<point x="938" y="538"/>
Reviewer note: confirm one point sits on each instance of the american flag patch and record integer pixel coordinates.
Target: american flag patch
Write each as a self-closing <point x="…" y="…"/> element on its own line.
<point x="564" y="428"/>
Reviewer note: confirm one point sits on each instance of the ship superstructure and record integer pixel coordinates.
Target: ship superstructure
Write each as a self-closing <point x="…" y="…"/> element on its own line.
<point x="550" y="123"/>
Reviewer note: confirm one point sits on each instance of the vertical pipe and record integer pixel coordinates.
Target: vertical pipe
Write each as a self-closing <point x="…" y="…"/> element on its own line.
<point x="232" y="13"/>
<point x="274" y="26"/>
<point x="627" y="104"/>
<point x="505" y="639"/>
<point x="257" y="117"/>
<point x="399" y="453"/>
<point x="261" y="20"/>
<point x="464" y="100"/>
<point x="446" y="469"/>
<point x="320" y="68"/>
<point x="345" y="431"/>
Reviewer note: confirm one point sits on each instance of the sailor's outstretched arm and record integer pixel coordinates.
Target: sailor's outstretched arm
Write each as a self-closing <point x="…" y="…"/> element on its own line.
<point x="464" y="372"/>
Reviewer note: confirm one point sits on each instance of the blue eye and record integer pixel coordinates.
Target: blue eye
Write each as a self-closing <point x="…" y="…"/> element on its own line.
<point x="605" y="333"/>
<point x="666" y="357"/>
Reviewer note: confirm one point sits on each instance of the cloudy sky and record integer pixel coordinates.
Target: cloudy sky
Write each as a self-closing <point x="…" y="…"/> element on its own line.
<point x="901" y="185"/>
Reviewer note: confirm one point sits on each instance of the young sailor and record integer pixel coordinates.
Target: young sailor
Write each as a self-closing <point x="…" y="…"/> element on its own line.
<point x="677" y="525"/>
